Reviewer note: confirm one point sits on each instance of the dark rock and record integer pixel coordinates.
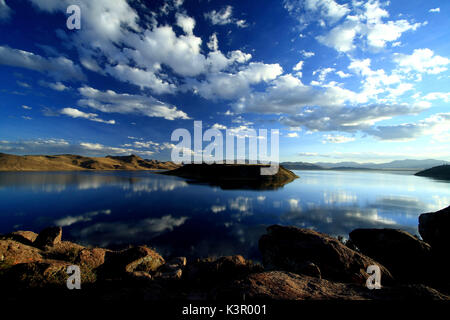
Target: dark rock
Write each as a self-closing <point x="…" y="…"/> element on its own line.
<point x="48" y="237"/>
<point x="141" y="258"/>
<point x="212" y="270"/>
<point x="434" y="227"/>
<point x="407" y="257"/>
<point x="279" y="285"/>
<point x="291" y="248"/>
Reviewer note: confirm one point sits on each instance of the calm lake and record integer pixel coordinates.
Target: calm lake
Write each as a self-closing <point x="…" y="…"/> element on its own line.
<point x="115" y="209"/>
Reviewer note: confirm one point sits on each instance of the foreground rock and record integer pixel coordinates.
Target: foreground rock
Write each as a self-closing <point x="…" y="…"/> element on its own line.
<point x="407" y="257"/>
<point x="279" y="285"/>
<point x="434" y="227"/>
<point x="325" y="270"/>
<point x="296" y="250"/>
<point x="13" y="252"/>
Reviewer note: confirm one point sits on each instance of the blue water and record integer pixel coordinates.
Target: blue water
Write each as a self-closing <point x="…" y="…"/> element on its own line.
<point x="115" y="209"/>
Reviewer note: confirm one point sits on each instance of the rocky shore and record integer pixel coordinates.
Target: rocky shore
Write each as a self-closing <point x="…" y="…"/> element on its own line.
<point x="298" y="264"/>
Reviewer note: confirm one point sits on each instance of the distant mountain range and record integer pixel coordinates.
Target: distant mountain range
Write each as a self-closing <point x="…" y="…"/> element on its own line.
<point x="407" y="164"/>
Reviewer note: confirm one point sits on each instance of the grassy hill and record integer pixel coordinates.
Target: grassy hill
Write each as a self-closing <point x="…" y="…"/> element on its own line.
<point x="439" y="172"/>
<point x="69" y="162"/>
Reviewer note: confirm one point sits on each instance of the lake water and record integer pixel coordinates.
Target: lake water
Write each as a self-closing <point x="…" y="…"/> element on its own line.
<point x="115" y="209"/>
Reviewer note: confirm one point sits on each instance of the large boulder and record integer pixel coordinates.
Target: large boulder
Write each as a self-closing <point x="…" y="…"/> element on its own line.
<point x="48" y="237"/>
<point x="118" y="263"/>
<point x="212" y="270"/>
<point x="25" y="237"/>
<point x="280" y="285"/>
<point x="291" y="249"/>
<point x="13" y="252"/>
<point x="434" y="227"/>
<point x="407" y="257"/>
<point x="43" y="274"/>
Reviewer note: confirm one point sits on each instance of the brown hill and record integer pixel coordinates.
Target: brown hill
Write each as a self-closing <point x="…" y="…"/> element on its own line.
<point x="69" y="162"/>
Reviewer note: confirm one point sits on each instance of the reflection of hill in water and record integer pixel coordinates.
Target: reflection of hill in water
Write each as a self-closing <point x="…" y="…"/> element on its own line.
<point x="57" y="182"/>
<point x="234" y="176"/>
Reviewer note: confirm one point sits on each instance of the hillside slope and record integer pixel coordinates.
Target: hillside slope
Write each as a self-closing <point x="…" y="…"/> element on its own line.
<point x="68" y="162"/>
<point x="439" y="172"/>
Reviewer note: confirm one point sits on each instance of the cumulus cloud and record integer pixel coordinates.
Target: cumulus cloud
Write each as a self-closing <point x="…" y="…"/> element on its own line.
<point x="423" y="61"/>
<point x="233" y="85"/>
<point x="435" y="10"/>
<point x="328" y="11"/>
<point x="347" y="119"/>
<point x="112" y="102"/>
<point x="364" y="21"/>
<point x="436" y="125"/>
<point x="59" y="68"/>
<point x="287" y="94"/>
<point x="75" y="113"/>
<point x="224" y="16"/>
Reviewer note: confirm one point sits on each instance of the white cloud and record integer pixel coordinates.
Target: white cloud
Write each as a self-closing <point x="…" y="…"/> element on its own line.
<point x="435" y="10"/>
<point x="224" y="16"/>
<point x="292" y="135"/>
<point x="307" y="54"/>
<point x="436" y="125"/>
<point x="26" y="107"/>
<point x="287" y="94"/>
<point x="298" y="66"/>
<point x="112" y="102"/>
<point x="213" y="43"/>
<point x="423" y="61"/>
<point x="365" y="23"/>
<point x="59" y="68"/>
<point x="444" y="96"/>
<point x="312" y="10"/>
<point x="5" y="11"/>
<point x="75" y="113"/>
<point x="58" y="86"/>
<point x="232" y="85"/>
<point x="347" y="119"/>
<point x="186" y="23"/>
<point x="70" y="220"/>
<point x="342" y="74"/>
<point x="328" y="138"/>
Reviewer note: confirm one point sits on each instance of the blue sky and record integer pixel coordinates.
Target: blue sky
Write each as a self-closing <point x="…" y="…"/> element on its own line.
<point x="342" y="80"/>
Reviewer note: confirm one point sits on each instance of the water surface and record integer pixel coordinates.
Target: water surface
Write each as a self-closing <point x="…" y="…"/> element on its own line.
<point x="115" y="209"/>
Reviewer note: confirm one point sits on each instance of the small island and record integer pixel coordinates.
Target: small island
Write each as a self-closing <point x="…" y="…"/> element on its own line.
<point x="234" y="176"/>
<point x="69" y="162"/>
<point x="439" y="172"/>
